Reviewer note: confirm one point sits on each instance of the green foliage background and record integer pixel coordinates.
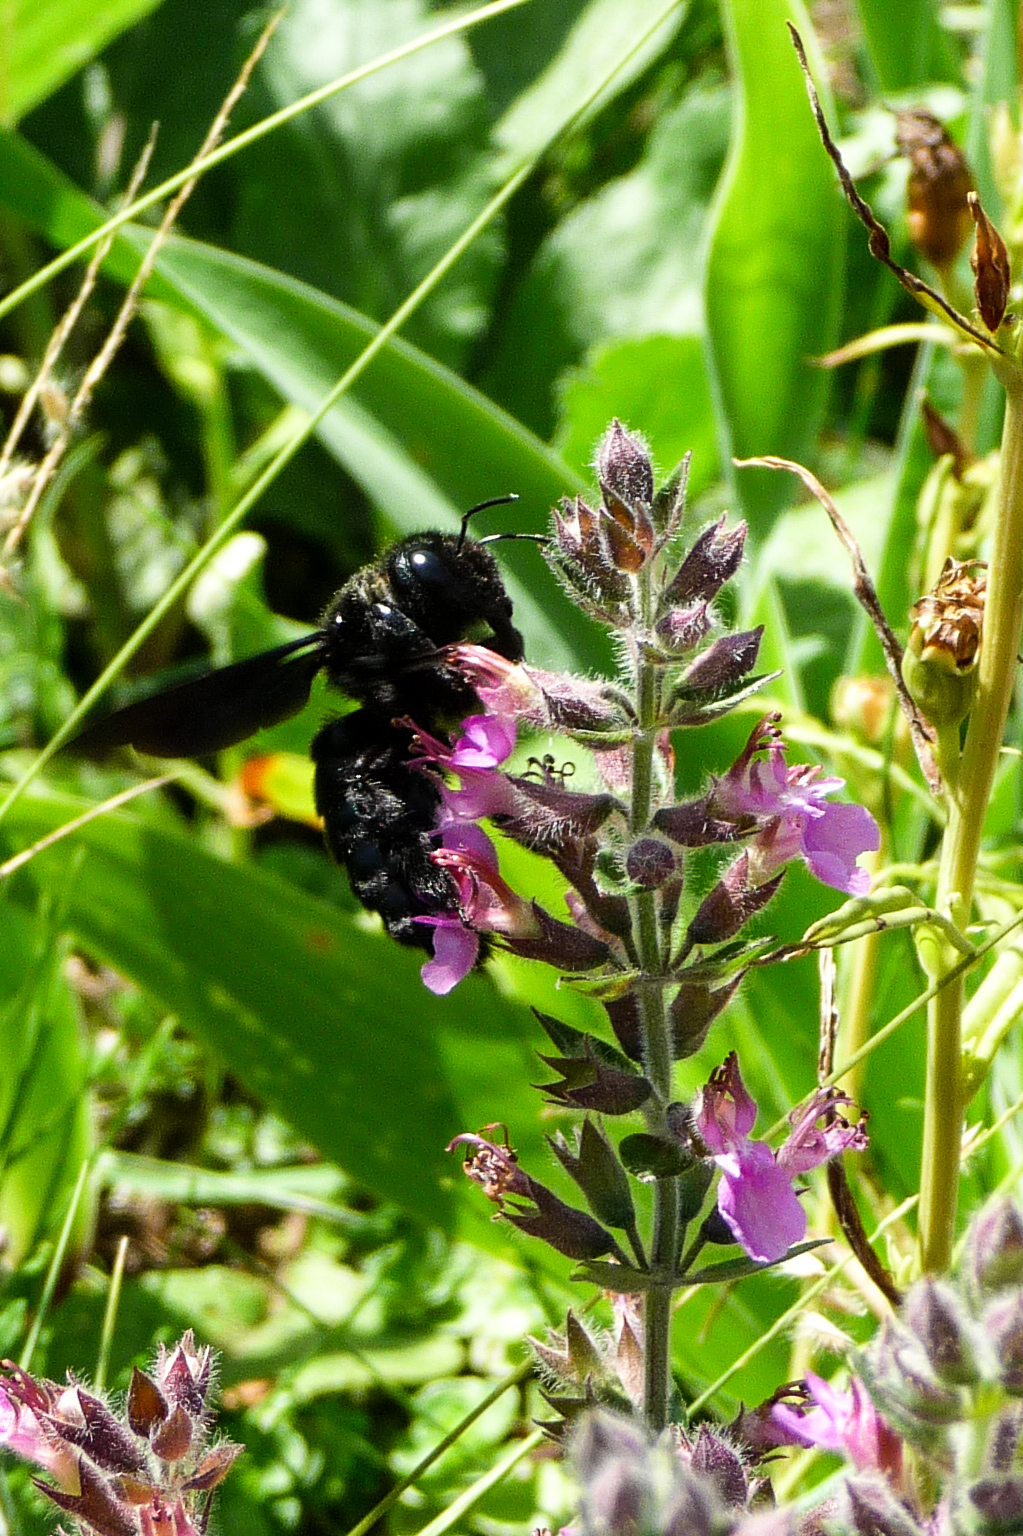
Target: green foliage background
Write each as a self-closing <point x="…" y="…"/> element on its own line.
<point x="677" y="255"/>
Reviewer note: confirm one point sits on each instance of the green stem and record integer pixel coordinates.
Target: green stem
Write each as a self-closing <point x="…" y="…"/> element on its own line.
<point x="943" y="1107"/>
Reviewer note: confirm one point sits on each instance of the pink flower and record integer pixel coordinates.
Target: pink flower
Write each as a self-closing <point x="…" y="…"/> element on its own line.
<point x="22" y="1433"/>
<point x="842" y="1421"/>
<point x="487" y="904"/>
<point x="756" y="1198"/>
<point x="797" y="820"/>
<point x="485" y="743"/>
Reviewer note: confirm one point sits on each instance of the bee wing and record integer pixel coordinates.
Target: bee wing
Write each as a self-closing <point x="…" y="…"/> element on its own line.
<point x="215" y="710"/>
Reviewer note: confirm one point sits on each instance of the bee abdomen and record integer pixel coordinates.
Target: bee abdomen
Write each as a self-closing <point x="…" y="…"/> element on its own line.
<point x="379" y="814"/>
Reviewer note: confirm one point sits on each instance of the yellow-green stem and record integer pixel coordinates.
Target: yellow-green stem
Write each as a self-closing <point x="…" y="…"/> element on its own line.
<point x="943" y="1108"/>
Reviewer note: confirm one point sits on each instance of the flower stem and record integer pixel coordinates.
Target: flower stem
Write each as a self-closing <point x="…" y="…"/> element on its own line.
<point x="657" y="1048"/>
<point x="943" y="1106"/>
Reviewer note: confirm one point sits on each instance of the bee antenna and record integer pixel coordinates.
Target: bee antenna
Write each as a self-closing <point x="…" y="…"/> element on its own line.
<point x="534" y="538"/>
<point x="495" y="501"/>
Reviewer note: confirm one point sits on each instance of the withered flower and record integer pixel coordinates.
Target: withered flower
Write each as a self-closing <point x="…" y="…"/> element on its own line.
<point x="939" y="181"/>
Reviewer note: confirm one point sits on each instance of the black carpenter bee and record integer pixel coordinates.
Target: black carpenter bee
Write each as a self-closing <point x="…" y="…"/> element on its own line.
<point x="381" y="642"/>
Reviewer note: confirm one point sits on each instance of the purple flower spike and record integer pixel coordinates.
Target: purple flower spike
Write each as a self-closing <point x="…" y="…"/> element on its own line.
<point x="797" y="821"/>
<point x="756" y="1198"/>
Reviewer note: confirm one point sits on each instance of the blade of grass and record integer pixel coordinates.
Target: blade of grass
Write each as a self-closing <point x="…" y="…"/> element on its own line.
<point x="242" y="141"/>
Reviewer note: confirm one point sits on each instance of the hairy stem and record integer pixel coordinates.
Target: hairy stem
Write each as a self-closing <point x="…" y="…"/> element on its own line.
<point x="657" y="1046"/>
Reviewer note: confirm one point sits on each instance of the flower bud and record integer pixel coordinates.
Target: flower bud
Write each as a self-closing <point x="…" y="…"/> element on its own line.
<point x="936" y="1315"/>
<point x="721" y="668"/>
<point x="694" y="1511"/>
<point x="624" y="466"/>
<point x="649" y="863"/>
<point x="713" y="560"/>
<point x="999" y="1503"/>
<point x="872" y="1509"/>
<point x="994" y="1247"/>
<point x="718" y="1460"/>
<point x="1003" y="1323"/>
<point x="731" y="904"/>
<point x="681" y="630"/>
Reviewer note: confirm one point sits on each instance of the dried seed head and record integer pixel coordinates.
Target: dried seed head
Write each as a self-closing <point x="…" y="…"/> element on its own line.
<point x="951" y="617"/>
<point x="944" y="643"/>
<point x="939" y="181"/>
<point x="991" y="268"/>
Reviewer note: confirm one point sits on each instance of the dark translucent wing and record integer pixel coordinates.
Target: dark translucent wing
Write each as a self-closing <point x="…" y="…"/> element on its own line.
<point x="217" y="709"/>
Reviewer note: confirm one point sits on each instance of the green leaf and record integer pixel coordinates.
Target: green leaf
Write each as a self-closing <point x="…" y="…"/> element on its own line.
<point x="45" y="1113"/>
<point x="774" y="284"/>
<point x="738" y="1269"/>
<point x="657" y="384"/>
<point x="45" y="42"/>
<point x="599" y="44"/>
<point x="362" y="195"/>
<point x="327" y="1023"/>
<point x="908" y="46"/>
<point x="626" y="262"/>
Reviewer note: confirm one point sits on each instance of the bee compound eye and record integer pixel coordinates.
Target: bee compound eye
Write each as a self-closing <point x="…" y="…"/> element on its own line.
<point x="423" y="567"/>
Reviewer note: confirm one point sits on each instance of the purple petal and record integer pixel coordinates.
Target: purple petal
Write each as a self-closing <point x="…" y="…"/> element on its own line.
<point x="758" y="1203"/>
<point x="455" y="950"/>
<point x="486" y="741"/>
<point x="467" y="837"/>
<point x="727" y="1111"/>
<point x="833" y="842"/>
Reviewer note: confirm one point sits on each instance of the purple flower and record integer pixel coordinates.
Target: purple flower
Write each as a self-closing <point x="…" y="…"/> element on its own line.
<point x="756" y="1198"/>
<point x="22" y="1433"/>
<point x="841" y="1421"/>
<point x="464" y="848"/>
<point x="486" y="904"/>
<point x="791" y="803"/>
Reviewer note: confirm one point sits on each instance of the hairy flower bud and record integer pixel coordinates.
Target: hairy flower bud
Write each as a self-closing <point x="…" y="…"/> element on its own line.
<point x="731" y="904"/>
<point x="872" y="1509"/>
<point x="713" y="560"/>
<point x="715" y="1456"/>
<point x="649" y="863"/>
<point x="1003" y="1324"/>
<point x="624" y="466"/>
<point x="936" y="1315"/>
<point x="994" y="1248"/>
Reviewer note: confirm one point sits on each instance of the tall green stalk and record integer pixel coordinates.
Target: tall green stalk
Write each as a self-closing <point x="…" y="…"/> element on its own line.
<point x="969" y="797"/>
